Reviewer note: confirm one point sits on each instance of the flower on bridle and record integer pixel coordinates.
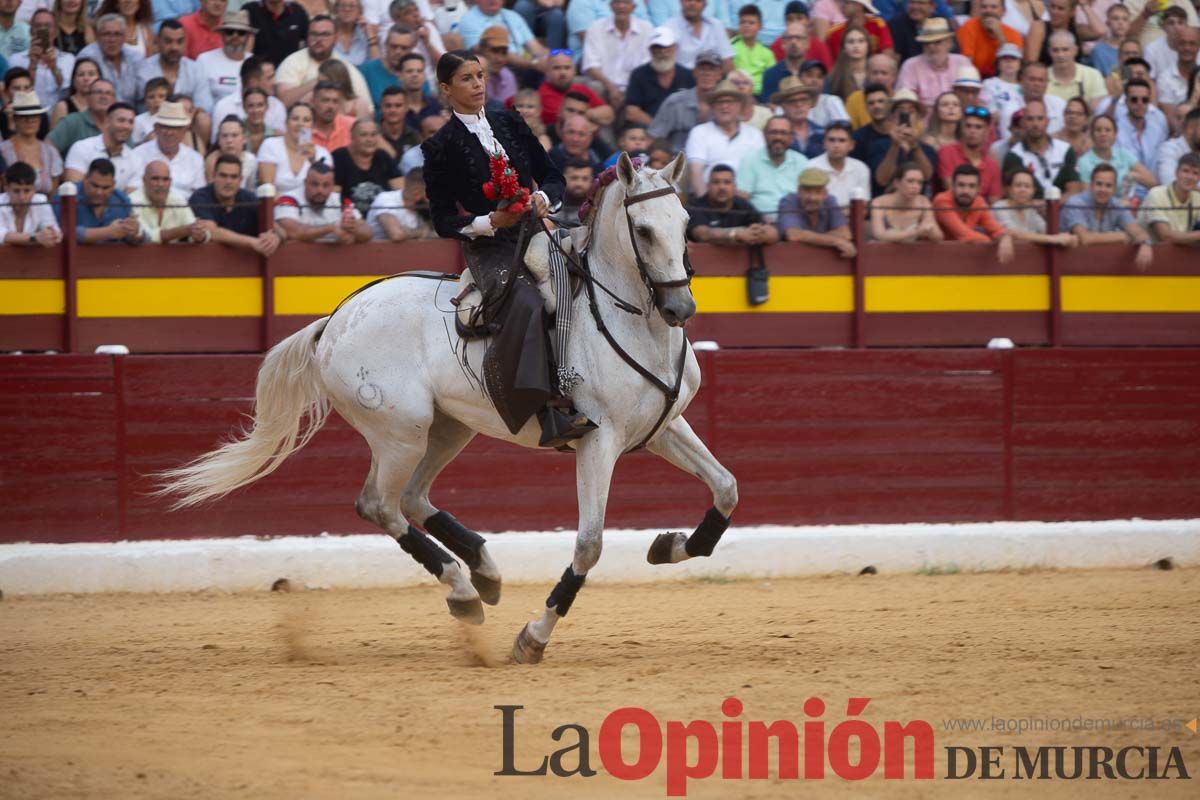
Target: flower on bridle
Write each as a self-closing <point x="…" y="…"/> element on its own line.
<point x="505" y="187"/>
<point x="599" y="182"/>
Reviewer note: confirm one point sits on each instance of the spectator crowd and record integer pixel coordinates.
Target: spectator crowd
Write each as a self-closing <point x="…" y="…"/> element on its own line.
<point x="953" y="121"/>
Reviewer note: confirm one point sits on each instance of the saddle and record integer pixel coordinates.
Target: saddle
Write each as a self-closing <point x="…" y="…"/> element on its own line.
<point x="468" y="322"/>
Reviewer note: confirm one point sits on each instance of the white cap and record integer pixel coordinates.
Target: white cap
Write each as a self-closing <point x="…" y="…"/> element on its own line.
<point x="662" y="37"/>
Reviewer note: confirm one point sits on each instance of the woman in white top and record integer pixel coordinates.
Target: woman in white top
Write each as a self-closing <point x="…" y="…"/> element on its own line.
<point x="139" y="19"/>
<point x="231" y="140"/>
<point x="284" y="160"/>
<point x="1017" y="213"/>
<point x="25" y="215"/>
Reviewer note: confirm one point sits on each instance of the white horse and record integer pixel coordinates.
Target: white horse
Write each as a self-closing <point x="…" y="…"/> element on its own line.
<point x="384" y="363"/>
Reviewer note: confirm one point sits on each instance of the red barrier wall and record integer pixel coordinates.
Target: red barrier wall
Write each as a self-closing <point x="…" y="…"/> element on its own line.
<point x="813" y="437"/>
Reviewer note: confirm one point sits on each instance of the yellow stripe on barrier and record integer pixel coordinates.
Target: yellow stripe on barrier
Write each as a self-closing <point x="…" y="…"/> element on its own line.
<point x="34" y="296"/>
<point x="1131" y="294"/>
<point x="170" y="297"/>
<point x="319" y="294"/>
<point x="916" y="293"/>
<point x="789" y="294"/>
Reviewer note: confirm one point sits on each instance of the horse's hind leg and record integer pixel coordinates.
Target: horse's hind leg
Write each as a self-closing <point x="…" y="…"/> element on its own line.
<point x="447" y="438"/>
<point x="680" y="445"/>
<point x="379" y="502"/>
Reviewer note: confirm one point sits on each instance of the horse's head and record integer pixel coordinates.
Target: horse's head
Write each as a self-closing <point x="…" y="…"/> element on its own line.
<point x="657" y="224"/>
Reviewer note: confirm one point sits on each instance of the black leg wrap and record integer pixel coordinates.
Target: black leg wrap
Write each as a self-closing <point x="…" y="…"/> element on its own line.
<point x="704" y="539"/>
<point x="458" y="539"/>
<point x="563" y="594"/>
<point x="425" y="551"/>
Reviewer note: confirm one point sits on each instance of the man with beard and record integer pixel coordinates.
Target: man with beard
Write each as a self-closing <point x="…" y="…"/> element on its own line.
<point x="164" y="215"/>
<point x="314" y="213"/>
<point x="560" y="79"/>
<point x="297" y="75"/>
<point x="182" y="73"/>
<point x="384" y="72"/>
<point x="362" y="170"/>
<point x="398" y="216"/>
<point x="686" y="109"/>
<point x="971" y="148"/>
<point x="112" y="145"/>
<point x="578" y="174"/>
<point x="769" y="173"/>
<point x="1097" y="217"/>
<point x="797" y="100"/>
<point x="933" y="72"/>
<point x="811" y="216"/>
<point x="652" y="83"/>
<point x="223" y="66"/>
<point x="1052" y="161"/>
<point x="331" y="128"/>
<point x="721" y="217"/>
<point x="227" y="213"/>
<point x="964" y="215"/>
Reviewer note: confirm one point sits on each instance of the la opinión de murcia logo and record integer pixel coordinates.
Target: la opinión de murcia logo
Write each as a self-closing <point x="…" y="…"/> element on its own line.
<point x="737" y="749"/>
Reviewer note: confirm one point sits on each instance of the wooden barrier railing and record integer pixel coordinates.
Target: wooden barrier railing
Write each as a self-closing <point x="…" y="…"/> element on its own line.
<point x="211" y="298"/>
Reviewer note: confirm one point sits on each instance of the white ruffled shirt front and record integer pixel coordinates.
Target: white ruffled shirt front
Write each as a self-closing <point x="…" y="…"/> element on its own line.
<point x="479" y="126"/>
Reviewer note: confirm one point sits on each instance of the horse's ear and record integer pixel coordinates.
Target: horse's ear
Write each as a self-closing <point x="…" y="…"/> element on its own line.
<point x="673" y="171"/>
<point x="625" y="170"/>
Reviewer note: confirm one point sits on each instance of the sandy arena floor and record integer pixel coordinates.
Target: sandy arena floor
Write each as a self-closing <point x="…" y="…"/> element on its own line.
<point x="353" y="694"/>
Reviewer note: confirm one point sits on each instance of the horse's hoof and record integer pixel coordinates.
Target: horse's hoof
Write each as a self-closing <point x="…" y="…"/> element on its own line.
<point x="663" y="546"/>
<point x="469" y="611"/>
<point x="489" y="589"/>
<point x="526" y="649"/>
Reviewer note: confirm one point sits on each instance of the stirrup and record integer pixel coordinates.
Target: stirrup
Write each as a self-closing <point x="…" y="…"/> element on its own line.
<point x="560" y="426"/>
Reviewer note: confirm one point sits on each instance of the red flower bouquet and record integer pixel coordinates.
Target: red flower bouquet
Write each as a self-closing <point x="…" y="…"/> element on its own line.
<point x="504" y="186"/>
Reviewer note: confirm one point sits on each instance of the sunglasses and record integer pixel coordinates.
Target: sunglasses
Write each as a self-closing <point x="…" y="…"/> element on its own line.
<point x="562" y="51"/>
<point x="977" y="111"/>
<point x="1137" y="100"/>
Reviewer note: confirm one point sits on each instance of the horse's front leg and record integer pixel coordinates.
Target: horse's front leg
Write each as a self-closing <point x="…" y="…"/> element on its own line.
<point x="597" y="455"/>
<point x="680" y="445"/>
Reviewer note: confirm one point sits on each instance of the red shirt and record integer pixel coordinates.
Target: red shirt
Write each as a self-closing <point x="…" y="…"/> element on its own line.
<point x="877" y="32"/>
<point x="963" y="226"/>
<point x="952" y="156"/>
<point x="552" y="99"/>
<point x="200" y="37"/>
<point x="817" y="51"/>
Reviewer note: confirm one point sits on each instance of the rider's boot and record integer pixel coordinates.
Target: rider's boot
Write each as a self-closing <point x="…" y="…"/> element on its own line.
<point x="562" y="423"/>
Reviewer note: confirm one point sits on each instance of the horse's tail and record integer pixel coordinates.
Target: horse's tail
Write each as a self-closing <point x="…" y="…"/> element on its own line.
<point x="290" y="406"/>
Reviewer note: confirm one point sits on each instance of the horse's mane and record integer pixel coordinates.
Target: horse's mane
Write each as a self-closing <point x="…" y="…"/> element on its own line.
<point x="595" y="196"/>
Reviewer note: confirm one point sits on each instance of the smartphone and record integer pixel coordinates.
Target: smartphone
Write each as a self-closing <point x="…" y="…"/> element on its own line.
<point x="905" y="118"/>
<point x="41" y="37"/>
<point x="305" y="136"/>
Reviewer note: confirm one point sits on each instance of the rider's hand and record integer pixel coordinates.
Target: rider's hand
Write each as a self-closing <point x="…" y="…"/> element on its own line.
<point x="539" y="206"/>
<point x="503" y="219"/>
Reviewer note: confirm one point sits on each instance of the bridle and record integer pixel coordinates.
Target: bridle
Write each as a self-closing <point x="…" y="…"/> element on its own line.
<point x="643" y="269"/>
<point x="582" y="269"/>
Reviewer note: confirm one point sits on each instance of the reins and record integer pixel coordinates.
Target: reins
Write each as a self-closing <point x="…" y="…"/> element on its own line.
<point x="581" y="268"/>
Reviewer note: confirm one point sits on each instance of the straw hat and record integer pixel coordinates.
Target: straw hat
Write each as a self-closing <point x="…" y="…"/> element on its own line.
<point x="27" y="104"/>
<point x="726" y="89"/>
<point x="236" y="21"/>
<point x="813" y="178"/>
<point x="905" y="96"/>
<point x="790" y="87"/>
<point x="935" y="29"/>
<point x="172" y="115"/>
